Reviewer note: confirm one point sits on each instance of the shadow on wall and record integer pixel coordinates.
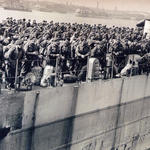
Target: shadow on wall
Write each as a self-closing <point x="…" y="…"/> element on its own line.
<point x="57" y="133"/>
<point x="3" y="132"/>
<point x="71" y="121"/>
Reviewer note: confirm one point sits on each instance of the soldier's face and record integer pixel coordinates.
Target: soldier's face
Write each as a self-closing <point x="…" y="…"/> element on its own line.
<point x="55" y="47"/>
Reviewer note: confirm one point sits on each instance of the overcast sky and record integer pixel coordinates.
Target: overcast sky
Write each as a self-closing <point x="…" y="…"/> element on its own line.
<point x="142" y="5"/>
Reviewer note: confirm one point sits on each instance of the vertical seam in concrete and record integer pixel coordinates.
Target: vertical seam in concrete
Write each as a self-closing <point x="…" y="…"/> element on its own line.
<point x="118" y="114"/>
<point x="31" y="136"/>
<point x="141" y="115"/>
<point x="75" y="99"/>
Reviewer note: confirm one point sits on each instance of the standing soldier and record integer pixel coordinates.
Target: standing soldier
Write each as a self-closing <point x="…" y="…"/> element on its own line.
<point x="82" y="53"/>
<point x="65" y="51"/>
<point x="31" y="59"/>
<point x="14" y="54"/>
<point x="53" y="56"/>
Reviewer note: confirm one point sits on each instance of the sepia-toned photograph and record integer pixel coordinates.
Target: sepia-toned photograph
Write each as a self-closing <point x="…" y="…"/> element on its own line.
<point x="74" y="75"/>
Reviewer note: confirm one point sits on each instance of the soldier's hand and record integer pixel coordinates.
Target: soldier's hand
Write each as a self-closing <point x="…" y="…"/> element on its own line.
<point x="40" y="56"/>
<point x="35" y="53"/>
<point x="62" y="57"/>
<point x="82" y="56"/>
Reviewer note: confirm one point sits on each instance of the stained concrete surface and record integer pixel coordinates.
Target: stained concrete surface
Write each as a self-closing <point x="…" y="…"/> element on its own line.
<point x="11" y="109"/>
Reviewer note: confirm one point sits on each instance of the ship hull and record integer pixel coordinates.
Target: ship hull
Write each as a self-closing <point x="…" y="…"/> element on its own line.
<point x="17" y="9"/>
<point x="100" y="115"/>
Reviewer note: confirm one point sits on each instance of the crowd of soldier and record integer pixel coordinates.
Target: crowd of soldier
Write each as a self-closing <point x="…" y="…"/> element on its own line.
<point x="67" y="47"/>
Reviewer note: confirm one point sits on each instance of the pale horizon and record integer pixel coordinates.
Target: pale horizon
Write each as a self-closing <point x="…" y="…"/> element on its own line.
<point x="131" y="5"/>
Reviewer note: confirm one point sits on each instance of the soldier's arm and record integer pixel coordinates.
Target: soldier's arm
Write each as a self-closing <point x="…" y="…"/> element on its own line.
<point x="54" y="55"/>
<point x="93" y="52"/>
<point x="77" y="52"/>
<point x="33" y="53"/>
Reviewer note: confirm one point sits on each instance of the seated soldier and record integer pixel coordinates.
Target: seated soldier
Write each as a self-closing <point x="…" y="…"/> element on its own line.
<point x="48" y="75"/>
<point x="127" y="69"/>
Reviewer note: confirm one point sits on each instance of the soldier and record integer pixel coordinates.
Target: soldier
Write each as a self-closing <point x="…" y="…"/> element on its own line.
<point x="52" y="53"/>
<point x="82" y="53"/>
<point x="31" y="59"/>
<point x="65" y="51"/>
<point x="12" y="55"/>
<point x="1" y="55"/>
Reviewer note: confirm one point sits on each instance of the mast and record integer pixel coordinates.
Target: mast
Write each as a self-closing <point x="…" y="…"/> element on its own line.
<point x="97" y="4"/>
<point x="101" y="5"/>
<point x="11" y="3"/>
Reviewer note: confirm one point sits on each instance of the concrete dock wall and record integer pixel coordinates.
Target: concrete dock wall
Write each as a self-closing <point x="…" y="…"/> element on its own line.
<point x="11" y="109"/>
<point x="101" y="115"/>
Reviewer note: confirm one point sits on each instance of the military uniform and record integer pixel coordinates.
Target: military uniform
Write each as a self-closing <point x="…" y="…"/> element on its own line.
<point x="82" y="53"/>
<point x="31" y="58"/>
